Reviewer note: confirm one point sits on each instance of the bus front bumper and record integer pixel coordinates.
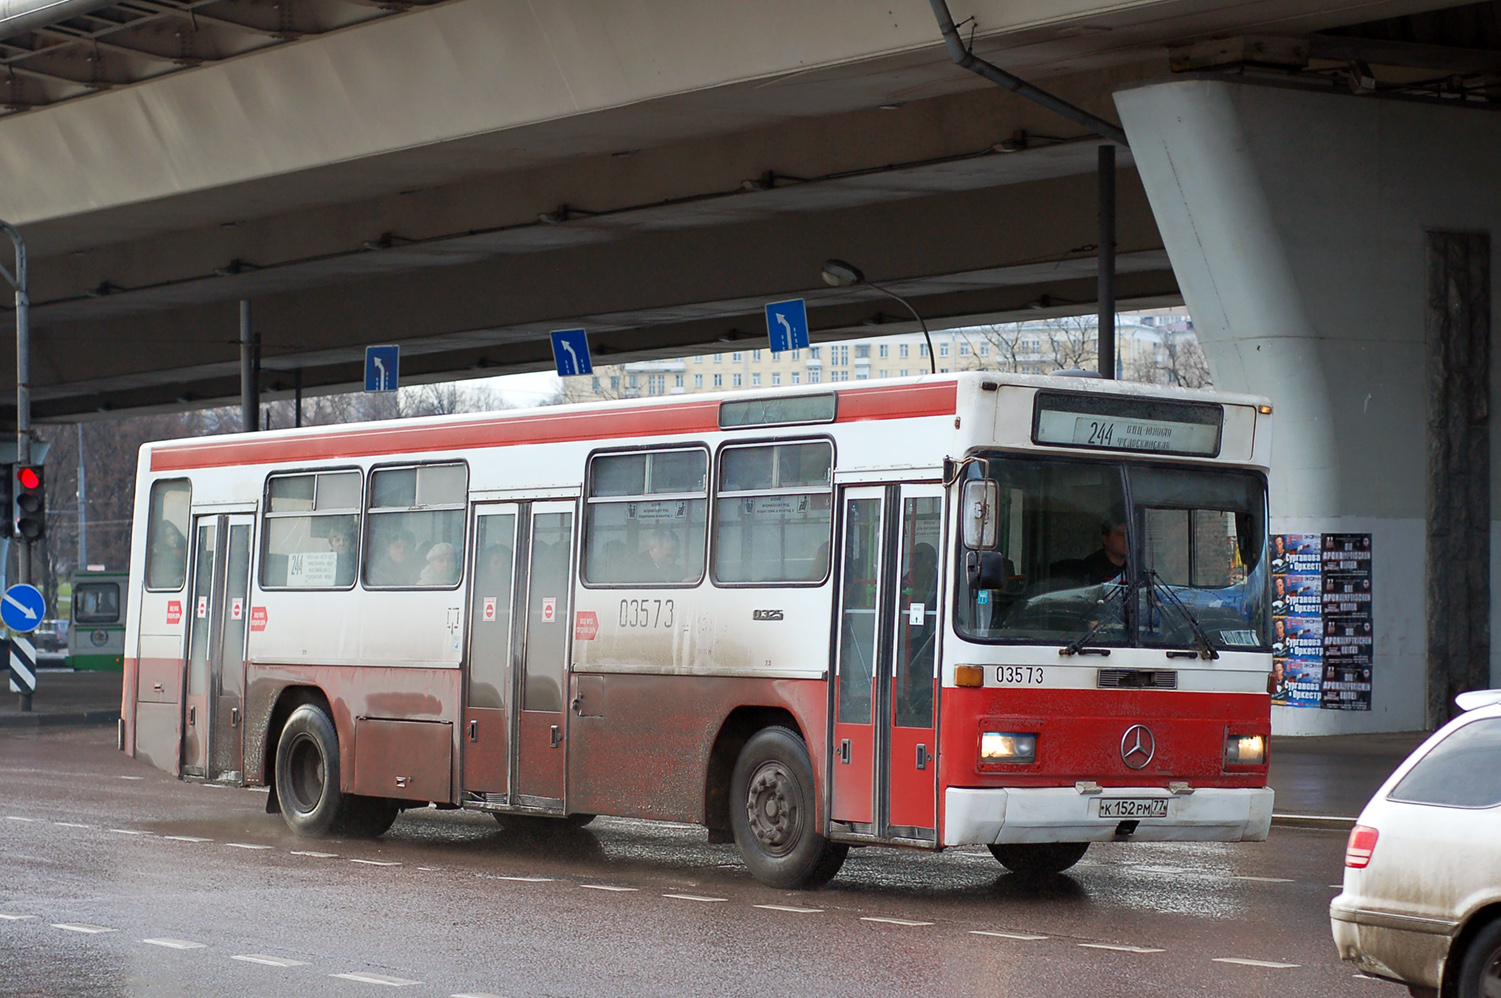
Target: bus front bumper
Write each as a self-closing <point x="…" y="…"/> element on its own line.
<point x="1065" y="814"/>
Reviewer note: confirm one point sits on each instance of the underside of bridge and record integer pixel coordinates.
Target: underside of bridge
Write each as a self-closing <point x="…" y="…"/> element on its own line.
<point x="462" y="177"/>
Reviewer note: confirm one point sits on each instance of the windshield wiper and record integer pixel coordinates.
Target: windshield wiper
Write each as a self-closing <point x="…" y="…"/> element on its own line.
<point x="1161" y="589"/>
<point x="1076" y="646"/>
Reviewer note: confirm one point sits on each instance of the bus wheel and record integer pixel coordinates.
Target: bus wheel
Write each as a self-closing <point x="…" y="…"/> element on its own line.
<point x="307" y="773"/>
<point x="1038" y="859"/>
<point x="772" y="813"/>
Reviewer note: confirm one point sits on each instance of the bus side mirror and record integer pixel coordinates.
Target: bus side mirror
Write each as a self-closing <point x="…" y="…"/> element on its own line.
<point x="986" y="570"/>
<point x="982" y="500"/>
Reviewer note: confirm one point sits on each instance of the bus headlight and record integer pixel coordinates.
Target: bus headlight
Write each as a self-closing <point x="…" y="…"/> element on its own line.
<point x="1245" y="750"/>
<point x="1008" y="747"/>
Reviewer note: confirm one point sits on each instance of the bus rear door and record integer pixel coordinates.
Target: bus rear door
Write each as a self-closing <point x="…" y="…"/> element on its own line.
<point x="488" y="689"/>
<point x="218" y="612"/>
<point x="884" y="774"/>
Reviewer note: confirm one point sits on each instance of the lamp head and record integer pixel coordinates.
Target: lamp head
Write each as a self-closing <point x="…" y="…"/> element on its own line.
<point x="838" y="274"/>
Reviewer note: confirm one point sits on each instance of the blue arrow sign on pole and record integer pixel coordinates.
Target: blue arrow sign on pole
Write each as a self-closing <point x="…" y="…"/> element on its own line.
<point x="570" y="350"/>
<point x="22" y="607"/>
<point x="787" y="322"/>
<point x="381" y="367"/>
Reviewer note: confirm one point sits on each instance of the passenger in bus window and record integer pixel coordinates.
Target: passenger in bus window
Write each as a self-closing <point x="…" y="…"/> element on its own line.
<point x="442" y="568"/>
<point x="396" y="565"/>
<point x="341" y="542"/>
<point x="665" y="554"/>
<point x="169" y="560"/>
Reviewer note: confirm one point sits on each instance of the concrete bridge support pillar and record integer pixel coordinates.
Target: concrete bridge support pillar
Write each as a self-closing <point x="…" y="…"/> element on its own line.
<point x="1335" y="252"/>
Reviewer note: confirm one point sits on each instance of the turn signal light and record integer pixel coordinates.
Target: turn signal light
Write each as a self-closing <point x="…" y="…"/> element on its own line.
<point x="1362" y="843"/>
<point x="969" y="675"/>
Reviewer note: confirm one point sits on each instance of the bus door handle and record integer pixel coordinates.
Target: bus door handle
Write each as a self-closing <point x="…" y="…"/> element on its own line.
<point x="557" y="735"/>
<point x="474" y="731"/>
<point x="922" y="757"/>
<point x="234" y="717"/>
<point x="192" y="716"/>
<point x="844" y="751"/>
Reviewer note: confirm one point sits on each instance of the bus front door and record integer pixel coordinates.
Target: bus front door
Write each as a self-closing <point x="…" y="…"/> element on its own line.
<point x="219" y="611"/>
<point x="487" y="731"/>
<point x="884" y="774"/>
<point x="546" y="613"/>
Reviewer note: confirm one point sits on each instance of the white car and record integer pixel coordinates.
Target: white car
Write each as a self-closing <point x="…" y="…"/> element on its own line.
<point x="1422" y="894"/>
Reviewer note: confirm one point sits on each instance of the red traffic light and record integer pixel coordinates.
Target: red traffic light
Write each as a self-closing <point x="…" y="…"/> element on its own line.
<point x="28" y="478"/>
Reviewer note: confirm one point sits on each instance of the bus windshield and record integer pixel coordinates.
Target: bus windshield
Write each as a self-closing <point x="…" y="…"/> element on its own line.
<point x="1120" y="554"/>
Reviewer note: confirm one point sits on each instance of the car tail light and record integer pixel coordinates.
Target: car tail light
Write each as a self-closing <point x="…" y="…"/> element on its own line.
<point x="1362" y="843"/>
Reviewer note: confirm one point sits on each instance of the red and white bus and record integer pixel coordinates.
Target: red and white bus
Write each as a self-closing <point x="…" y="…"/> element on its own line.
<point x="1024" y="612"/>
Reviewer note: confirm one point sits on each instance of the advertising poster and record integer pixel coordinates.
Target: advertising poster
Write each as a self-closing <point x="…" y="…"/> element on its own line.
<point x="1297" y="622"/>
<point x="1349" y="634"/>
<point x="1323" y="635"/>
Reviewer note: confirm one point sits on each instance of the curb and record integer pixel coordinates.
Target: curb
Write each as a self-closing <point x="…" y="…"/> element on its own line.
<point x="85" y="717"/>
<point x="1327" y="822"/>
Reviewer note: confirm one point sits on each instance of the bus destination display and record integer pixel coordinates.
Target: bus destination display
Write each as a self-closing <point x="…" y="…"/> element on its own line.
<point x="1127" y="424"/>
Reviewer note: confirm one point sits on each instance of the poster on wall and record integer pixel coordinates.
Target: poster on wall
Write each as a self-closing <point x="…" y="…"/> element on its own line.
<point x="1349" y="634"/>
<point x="1322" y="630"/>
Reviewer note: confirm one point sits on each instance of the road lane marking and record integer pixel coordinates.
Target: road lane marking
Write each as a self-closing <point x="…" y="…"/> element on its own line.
<point x="788" y="907"/>
<point x="132" y="777"/>
<point x="692" y="897"/>
<point x="128" y="831"/>
<point x="1256" y="963"/>
<point x="1006" y="935"/>
<point x="474" y="994"/>
<point x="81" y="927"/>
<point x="245" y="845"/>
<point x="71" y="824"/>
<point x="315" y="855"/>
<point x="14" y="918"/>
<point x="428" y="869"/>
<point x="176" y="943"/>
<point x="12" y="817"/>
<point x="1265" y="880"/>
<point x="524" y="880"/>
<point x="390" y="982"/>
<point x="893" y="921"/>
<point x="376" y="862"/>
<point x="186" y="838"/>
<point x="1122" y="949"/>
<point x="608" y="887"/>
<point x="269" y="961"/>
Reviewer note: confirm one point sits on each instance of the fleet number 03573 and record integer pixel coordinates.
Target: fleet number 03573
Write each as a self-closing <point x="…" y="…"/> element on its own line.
<point x="1019" y="675"/>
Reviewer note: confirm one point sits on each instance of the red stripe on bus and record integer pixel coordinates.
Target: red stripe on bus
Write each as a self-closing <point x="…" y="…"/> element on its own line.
<point x="895" y="402"/>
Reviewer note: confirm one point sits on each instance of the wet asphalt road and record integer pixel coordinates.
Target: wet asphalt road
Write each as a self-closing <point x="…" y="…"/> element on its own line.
<point x="116" y="879"/>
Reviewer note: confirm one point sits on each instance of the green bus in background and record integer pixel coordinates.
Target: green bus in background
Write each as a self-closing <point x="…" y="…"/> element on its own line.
<point x="96" y="638"/>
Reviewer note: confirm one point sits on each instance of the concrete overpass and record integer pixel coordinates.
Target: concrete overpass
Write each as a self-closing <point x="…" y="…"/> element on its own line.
<point x="460" y="177"/>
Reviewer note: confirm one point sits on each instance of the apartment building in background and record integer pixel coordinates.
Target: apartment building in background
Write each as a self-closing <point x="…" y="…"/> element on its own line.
<point x="1158" y="347"/>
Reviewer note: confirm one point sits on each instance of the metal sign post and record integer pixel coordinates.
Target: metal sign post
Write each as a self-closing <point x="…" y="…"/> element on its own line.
<point x="23" y="392"/>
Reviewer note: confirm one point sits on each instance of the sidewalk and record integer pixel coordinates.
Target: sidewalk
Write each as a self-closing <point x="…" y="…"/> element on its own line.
<point x="1321" y="779"/>
<point x="63" y="698"/>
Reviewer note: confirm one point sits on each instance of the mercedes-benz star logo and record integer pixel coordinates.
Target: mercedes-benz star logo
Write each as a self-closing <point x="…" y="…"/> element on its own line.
<point x="1138" y="746"/>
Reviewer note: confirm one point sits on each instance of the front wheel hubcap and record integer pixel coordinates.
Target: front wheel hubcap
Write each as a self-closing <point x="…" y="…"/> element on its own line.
<point x="772" y="805"/>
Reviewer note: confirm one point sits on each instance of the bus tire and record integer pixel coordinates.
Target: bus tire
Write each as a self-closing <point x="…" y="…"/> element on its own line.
<point x="307" y="774"/>
<point x="773" y="813"/>
<point x="1038" y="859"/>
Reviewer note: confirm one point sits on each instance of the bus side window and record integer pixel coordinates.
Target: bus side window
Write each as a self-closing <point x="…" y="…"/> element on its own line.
<point x="310" y="535"/>
<point x="414" y="534"/>
<point x="646" y="517"/>
<point x="167" y="535"/>
<point x="96" y="602"/>
<point x="774" y="513"/>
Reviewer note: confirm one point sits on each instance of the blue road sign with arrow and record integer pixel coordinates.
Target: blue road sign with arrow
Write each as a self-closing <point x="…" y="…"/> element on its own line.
<point x="570" y="350"/>
<point x="787" y="322"/>
<point x="23" y="607"/>
<point x="381" y="367"/>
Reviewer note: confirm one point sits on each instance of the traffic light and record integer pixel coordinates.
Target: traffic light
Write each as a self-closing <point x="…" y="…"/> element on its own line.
<point x="30" y="507"/>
